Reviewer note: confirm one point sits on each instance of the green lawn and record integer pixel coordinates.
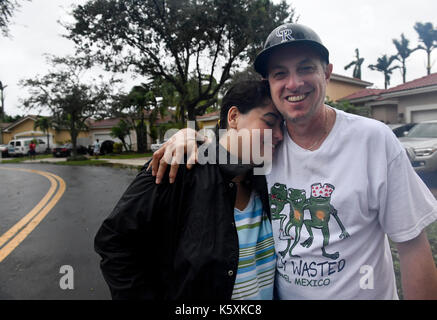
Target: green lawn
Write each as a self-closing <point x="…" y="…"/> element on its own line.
<point x="90" y="162"/>
<point x="21" y="159"/>
<point x="127" y="156"/>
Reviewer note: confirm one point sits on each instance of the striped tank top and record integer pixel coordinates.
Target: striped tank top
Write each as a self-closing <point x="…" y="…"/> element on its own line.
<point x="256" y="264"/>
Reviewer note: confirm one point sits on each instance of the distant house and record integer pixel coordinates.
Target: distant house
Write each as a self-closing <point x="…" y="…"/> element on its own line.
<point x="25" y="128"/>
<point x="101" y="129"/>
<point x="340" y="86"/>
<point x="3" y="125"/>
<point x="208" y="120"/>
<point x="413" y="101"/>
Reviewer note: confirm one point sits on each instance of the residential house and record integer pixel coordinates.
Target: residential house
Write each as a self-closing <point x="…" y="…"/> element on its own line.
<point x="25" y="128"/>
<point x="413" y="101"/>
<point x="3" y="125"/>
<point x="101" y="129"/>
<point x="340" y="86"/>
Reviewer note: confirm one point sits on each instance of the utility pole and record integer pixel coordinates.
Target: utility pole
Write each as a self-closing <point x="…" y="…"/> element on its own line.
<point x="2" y="101"/>
<point x="2" y="110"/>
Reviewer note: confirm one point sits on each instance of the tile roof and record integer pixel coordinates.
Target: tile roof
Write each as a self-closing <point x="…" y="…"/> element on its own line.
<point x="426" y="81"/>
<point x="208" y="115"/>
<point x="105" y="123"/>
<point x="363" y="93"/>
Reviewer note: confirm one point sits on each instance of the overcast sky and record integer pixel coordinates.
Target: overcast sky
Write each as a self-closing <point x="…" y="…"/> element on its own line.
<point x="343" y="26"/>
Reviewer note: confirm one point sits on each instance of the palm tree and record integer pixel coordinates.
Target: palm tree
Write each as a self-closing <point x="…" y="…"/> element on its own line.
<point x="120" y="131"/>
<point x="358" y="62"/>
<point x="383" y="65"/>
<point x="402" y="46"/>
<point x="428" y="37"/>
<point x="44" y="123"/>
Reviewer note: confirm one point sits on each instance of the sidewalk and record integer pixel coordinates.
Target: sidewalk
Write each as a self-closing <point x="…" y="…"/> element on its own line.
<point x="131" y="162"/>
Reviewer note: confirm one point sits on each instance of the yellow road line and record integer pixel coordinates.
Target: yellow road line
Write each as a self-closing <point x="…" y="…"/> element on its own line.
<point x="35" y="216"/>
<point x="12" y="231"/>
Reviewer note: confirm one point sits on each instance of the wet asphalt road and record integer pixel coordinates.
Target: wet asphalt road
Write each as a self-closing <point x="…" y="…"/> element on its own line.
<point x="64" y="237"/>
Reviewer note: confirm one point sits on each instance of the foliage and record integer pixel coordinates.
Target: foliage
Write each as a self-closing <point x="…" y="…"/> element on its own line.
<point x="137" y="106"/>
<point x="383" y="65"/>
<point x="83" y="162"/>
<point x="431" y="231"/>
<point x="7" y="8"/>
<point x="117" y="148"/>
<point x="346" y="106"/>
<point x="71" y="100"/>
<point x="44" y="123"/>
<point x="402" y="46"/>
<point x="248" y="73"/>
<point x="428" y="38"/>
<point x="129" y="155"/>
<point x="11" y="119"/>
<point x="22" y="159"/>
<point x="177" y="40"/>
<point x="357" y="63"/>
<point x="120" y="131"/>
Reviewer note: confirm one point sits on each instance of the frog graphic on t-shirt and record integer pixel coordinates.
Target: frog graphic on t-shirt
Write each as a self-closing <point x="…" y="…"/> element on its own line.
<point x="320" y="209"/>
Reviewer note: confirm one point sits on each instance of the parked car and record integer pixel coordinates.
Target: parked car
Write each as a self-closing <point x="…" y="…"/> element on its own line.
<point x="4" y="150"/>
<point x="20" y="147"/>
<point x="401" y="129"/>
<point x="421" y="146"/>
<point x="67" y="149"/>
<point x="106" y="147"/>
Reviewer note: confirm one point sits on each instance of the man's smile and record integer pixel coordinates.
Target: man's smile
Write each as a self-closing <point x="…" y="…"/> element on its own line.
<point x="296" y="98"/>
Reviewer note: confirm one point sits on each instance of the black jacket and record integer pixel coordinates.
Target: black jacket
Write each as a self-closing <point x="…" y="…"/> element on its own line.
<point x="175" y="241"/>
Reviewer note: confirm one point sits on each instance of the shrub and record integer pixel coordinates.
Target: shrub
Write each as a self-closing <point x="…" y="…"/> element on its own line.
<point x="117" y="148"/>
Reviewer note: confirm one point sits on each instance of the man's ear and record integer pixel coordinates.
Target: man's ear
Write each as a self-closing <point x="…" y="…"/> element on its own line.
<point x="233" y="116"/>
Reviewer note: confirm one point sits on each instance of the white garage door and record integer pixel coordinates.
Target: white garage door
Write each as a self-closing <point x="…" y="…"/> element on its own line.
<point x="103" y="137"/>
<point x="423" y="115"/>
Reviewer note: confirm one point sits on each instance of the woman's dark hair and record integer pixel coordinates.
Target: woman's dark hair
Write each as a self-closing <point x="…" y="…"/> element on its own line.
<point x="245" y="95"/>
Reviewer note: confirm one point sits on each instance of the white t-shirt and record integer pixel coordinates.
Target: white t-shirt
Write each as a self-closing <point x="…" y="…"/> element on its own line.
<point x="362" y="175"/>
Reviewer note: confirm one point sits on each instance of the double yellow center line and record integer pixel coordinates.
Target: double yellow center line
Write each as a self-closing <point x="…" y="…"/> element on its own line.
<point x="15" y="235"/>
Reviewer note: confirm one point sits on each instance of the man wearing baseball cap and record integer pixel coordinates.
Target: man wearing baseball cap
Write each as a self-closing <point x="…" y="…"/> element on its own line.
<point x="339" y="187"/>
<point x="335" y="244"/>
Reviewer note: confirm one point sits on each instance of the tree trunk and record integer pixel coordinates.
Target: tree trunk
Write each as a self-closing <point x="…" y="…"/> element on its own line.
<point x="192" y="117"/>
<point x="124" y="143"/>
<point x="74" y="135"/>
<point x="404" y="72"/>
<point x="130" y="142"/>
<point x="428" y="65"/>
<point x="48" y="142"/>
<point x="140" y="136"/>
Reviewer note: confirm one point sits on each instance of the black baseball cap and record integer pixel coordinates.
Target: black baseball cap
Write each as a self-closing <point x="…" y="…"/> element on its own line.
<point x="289" y="34"/>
